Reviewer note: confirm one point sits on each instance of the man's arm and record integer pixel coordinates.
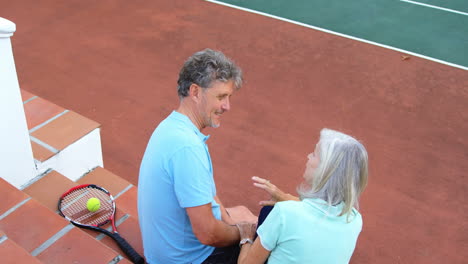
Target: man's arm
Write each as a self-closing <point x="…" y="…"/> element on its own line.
<point x="236" y="214"/>
<point x="224" y="213"/>
<point x="209" y="230"/>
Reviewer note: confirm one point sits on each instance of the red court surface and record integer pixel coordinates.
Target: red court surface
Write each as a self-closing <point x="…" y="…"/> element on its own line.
<point x="117" y="62"/>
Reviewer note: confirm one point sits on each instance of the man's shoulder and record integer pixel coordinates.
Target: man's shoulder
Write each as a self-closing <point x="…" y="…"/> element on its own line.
<point x="169" y="139"/>
<point x="176" y="130"/>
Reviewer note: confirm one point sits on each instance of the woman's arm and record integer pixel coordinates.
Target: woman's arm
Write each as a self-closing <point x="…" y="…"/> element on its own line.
<point x="253" y="253"/>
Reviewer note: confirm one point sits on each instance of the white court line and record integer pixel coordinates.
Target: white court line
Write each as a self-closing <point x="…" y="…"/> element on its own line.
<point x="340" y="34"/>
<point x="436" y="7"/>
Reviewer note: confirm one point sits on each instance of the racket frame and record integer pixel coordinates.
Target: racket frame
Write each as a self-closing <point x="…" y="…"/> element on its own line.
<point x="92" y="227"/>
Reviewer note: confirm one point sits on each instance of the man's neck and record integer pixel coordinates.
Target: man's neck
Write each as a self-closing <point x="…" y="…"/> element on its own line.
<point x="191" y="112"/>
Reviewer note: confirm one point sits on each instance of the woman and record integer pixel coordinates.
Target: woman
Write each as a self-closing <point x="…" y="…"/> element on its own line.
<point x="322" y="226"/>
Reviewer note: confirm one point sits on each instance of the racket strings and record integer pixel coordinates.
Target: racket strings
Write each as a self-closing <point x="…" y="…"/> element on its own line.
<point x="74" y="207"/>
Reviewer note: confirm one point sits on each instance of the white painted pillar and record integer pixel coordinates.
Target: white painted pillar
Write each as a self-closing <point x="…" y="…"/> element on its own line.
<point x="16" y="157"/>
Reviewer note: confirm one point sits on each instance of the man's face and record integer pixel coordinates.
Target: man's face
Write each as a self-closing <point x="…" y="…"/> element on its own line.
<point x="214" y="102"/>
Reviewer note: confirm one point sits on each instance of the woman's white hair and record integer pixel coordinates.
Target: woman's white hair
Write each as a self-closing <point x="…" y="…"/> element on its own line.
<point x="342" y="172"/>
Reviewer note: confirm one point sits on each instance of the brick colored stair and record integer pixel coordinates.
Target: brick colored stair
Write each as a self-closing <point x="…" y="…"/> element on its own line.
<point x="11" y="252"/>
<point x="32" y="231"/>
<point x="60" y="138"/>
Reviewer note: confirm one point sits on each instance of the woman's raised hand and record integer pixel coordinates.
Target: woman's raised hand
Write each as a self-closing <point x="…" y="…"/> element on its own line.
<point x="276" y="194"/>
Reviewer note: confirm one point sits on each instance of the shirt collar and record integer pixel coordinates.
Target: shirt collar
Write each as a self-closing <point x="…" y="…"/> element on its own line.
<point x="188" y="122"/>
<point x="324" y="207"/>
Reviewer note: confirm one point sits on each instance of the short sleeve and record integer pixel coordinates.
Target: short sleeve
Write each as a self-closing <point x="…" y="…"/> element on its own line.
<point x="270" y="230"/>
<point x="193" y="179"/>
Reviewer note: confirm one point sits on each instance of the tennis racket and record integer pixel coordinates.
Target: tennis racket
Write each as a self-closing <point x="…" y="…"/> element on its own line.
<point x="72" y="206"/>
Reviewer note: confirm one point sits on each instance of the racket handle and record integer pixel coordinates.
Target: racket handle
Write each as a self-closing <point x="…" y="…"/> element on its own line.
<point x="128" y="250"/>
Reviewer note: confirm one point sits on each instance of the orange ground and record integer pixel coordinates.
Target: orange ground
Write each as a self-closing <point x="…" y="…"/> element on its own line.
<point x="116" y="62"/>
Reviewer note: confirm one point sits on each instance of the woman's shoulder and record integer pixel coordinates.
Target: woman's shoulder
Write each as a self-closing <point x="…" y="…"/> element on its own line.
<point x="289" y="203"/>
<point x="321" y="207"/>
<point x="290" y="207"/>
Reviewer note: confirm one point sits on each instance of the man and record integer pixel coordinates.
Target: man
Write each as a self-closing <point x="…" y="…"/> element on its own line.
<point x="181" y="218"/>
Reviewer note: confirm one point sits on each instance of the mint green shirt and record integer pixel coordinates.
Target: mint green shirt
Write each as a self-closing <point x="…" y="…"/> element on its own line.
<point x="309" y="232"/>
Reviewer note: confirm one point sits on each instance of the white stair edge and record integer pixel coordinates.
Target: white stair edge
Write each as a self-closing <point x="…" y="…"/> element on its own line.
<point x="75" y="160"/>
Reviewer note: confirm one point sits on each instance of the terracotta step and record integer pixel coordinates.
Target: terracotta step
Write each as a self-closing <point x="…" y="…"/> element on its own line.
<point x="48" y="189"/>
<point x="61" y="139"/>
<point x="10" y="197"/>
<point x="51" y="125"/>
<point x="32" y="224"/>
<point x="77" y="247"/>
<point x="12" y="253"/>
<point x="26" y="96"/>
<point x="31" y="230"/>
<point x="64" y="130"/>
<point x="38" y="111"/>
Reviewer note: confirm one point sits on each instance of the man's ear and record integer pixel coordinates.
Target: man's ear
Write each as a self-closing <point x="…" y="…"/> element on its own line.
<point x="194" y="91"/>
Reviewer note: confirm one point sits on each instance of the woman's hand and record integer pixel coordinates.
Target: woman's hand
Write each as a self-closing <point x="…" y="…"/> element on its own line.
<point x="277" y="195"/>
<point x="247" y="230"/>
<point x="251" y="253"/>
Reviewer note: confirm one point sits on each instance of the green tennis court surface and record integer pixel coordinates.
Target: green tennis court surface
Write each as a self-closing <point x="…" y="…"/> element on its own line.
<point x="435" y="29"/>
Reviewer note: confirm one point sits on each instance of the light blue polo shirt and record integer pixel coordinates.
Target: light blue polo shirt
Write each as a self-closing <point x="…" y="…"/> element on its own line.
<point x="175" y="173"/>
<point x="309" y="232"/>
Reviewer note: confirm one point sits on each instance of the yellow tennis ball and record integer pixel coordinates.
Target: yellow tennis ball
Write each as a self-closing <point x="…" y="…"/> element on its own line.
<point x="93" y="204"/>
